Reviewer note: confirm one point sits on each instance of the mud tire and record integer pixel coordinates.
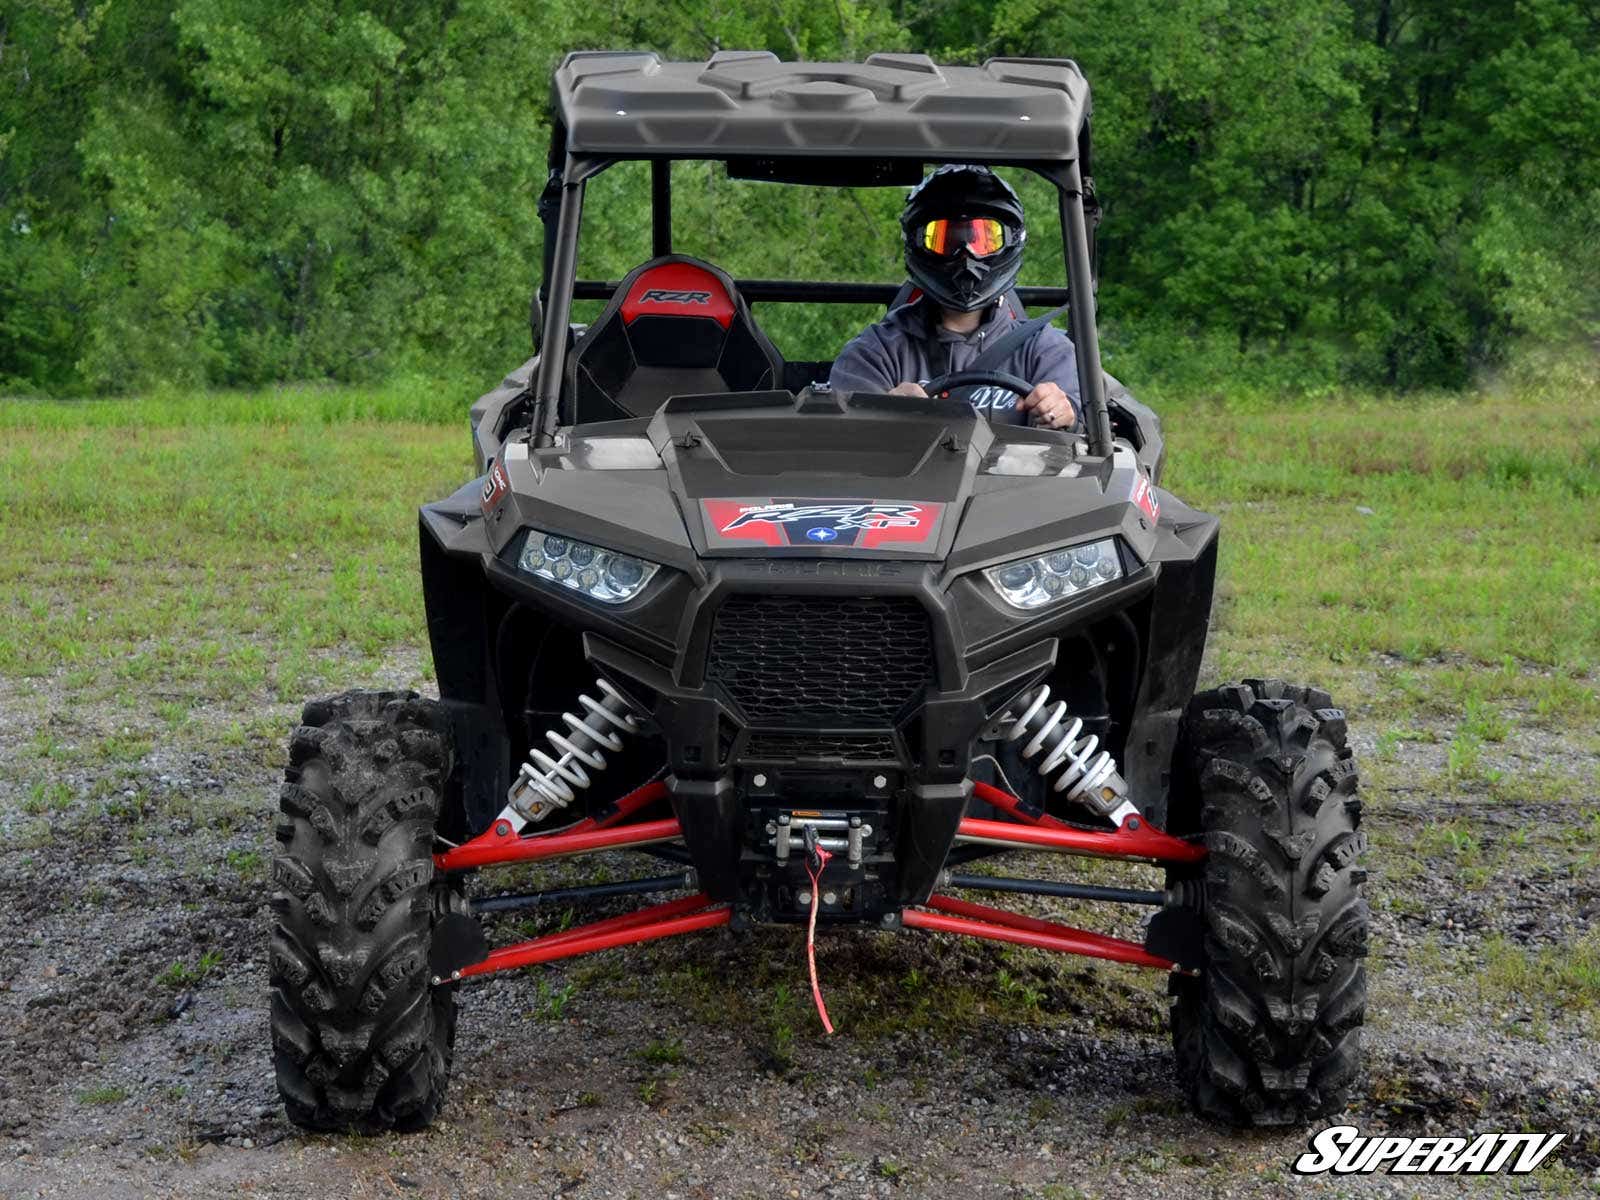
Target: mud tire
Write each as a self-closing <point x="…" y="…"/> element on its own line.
<point x="361" y="1041"/>
<point x="1269" y="1033"/>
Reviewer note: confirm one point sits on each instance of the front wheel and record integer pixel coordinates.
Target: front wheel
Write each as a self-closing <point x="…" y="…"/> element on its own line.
<point x="361" y="1041"/>
<point x="1269" y="1031"/>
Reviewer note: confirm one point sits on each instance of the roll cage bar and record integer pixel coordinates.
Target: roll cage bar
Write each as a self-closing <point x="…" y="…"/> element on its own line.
<point x="560" y="210"/>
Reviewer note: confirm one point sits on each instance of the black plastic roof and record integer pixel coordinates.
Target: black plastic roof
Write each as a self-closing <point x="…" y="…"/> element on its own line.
<point x="749" y="102"/>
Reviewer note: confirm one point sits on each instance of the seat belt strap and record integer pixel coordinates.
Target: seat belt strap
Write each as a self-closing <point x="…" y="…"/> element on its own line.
<point x="993" y="355"/>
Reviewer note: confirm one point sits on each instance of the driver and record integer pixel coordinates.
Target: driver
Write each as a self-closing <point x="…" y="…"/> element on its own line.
<point x="963" y="235"/>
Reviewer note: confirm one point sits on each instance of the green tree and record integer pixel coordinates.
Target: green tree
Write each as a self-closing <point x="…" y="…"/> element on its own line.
<point x="224" y="192"/>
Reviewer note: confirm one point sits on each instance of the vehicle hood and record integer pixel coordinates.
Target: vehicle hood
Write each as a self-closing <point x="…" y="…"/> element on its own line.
<point x="768" y="475"/>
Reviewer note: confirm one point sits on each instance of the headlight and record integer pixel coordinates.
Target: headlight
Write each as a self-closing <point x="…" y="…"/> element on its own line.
<point x="1034" y="582"/>
<point x="602" y="575"/>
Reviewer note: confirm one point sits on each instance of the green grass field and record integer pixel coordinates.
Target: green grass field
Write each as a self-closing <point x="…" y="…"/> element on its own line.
<point x="1437" y="556"/>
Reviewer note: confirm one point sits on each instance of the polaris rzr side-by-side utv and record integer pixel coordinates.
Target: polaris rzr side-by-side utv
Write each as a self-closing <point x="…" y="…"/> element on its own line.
<point x="815" y="652"/>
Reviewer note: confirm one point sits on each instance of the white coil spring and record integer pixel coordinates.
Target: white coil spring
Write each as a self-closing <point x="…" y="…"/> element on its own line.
<point x="559" y="780"/>
<point x="1083" y="771"/>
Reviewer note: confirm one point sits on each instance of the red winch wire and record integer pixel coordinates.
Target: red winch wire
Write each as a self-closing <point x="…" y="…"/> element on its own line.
<point x="811" y="932"/>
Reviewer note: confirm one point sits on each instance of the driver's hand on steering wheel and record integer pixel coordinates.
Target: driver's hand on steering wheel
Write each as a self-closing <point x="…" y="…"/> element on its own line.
<point x="907" y="389"/>
<point x="1052" y="405"/>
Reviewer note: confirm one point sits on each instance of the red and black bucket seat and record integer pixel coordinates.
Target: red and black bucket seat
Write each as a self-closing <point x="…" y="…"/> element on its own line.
<point x="675" y="326"/>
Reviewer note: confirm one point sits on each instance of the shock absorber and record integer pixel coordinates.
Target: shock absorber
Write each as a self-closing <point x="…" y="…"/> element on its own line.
<point x="548" y="782"/>
<point x="1087" y="774"/>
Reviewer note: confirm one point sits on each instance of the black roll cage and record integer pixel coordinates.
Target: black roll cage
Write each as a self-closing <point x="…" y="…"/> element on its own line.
<point x="560" y="210"/>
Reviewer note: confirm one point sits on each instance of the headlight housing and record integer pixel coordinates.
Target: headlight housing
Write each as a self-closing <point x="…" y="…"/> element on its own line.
<point x="1035" y="582"/>
<point x="600" y="574"/>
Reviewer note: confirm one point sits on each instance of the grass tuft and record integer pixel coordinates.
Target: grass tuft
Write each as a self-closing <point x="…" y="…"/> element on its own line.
<point x="103" y="1095"/>
<point x="1565" y="977"/>
<point x="187" y="974"/>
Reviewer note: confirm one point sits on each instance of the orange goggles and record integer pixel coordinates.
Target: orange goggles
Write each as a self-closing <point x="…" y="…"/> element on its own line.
<point x="980" y="236"/>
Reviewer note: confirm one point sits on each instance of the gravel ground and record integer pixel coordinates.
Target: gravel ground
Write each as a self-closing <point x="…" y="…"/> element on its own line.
<point x="133" y="1018"/>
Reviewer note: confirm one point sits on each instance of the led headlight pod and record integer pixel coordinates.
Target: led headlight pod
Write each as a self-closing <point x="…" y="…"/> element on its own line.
<point x="1035" y="582"/>
<point x="600" y="574"/>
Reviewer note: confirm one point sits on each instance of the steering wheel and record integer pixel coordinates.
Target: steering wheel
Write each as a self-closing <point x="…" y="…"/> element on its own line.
<point x="946" y="384"/>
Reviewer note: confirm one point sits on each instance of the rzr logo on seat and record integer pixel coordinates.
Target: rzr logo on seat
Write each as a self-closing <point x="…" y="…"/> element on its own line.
<point x="843" y="516"/>
<point x="667" y="296"/>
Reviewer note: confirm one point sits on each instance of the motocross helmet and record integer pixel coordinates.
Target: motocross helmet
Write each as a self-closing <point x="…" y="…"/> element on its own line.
<point x="964" y="234"/>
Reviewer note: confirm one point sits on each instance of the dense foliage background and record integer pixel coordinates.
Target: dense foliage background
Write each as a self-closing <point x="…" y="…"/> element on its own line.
<point x="226" y="192"/>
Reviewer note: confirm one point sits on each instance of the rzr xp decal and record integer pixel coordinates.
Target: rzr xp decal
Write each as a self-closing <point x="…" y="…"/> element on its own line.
<point x="843" y="516"/>
<point x="495" y="487"/>
<point x="1145" y="497"/>
<point x="833" y="524"/>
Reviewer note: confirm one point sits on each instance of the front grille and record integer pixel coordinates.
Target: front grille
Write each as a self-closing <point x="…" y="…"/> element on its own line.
<point x="846" y="747"/>
<point x="821" y="661"/>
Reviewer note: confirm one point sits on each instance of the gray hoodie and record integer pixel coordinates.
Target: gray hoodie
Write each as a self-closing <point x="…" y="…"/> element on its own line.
<point x="901" y="348"/>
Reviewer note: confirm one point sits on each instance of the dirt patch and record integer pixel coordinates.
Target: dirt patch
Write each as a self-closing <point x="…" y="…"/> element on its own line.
<point x="133" y="1017"/>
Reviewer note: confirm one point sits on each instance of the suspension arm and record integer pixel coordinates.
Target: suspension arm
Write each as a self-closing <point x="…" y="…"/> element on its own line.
<point x="1135" y="838"/>
<point x="996" y="925"/>
<point x="681" y="882"/>
<point x="501" y="843"/>
<point x="688" y="915"/>
<point x="511" y="848"/>
<point x="1051" y="887"/>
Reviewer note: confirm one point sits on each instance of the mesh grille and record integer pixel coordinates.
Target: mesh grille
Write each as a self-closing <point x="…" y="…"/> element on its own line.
<point x="849" y="747"/>
<point x="797" y="661"/>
